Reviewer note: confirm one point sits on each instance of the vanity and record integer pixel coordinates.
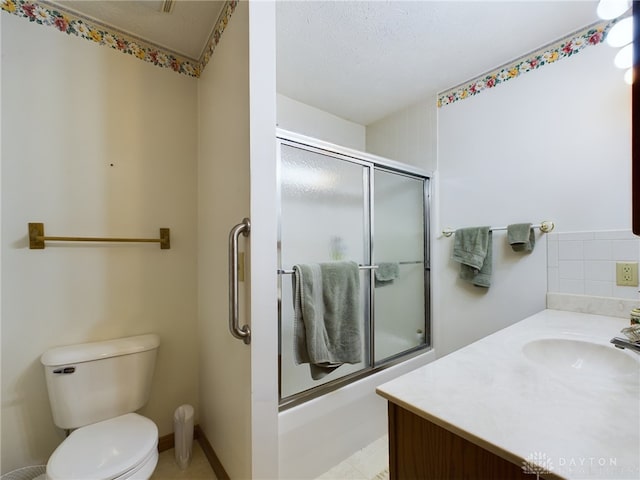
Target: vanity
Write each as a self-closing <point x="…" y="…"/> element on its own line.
<point x="548" y="396"/>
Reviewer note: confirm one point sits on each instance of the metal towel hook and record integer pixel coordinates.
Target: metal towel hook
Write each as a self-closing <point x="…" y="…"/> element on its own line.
<point x="243" y="333"/>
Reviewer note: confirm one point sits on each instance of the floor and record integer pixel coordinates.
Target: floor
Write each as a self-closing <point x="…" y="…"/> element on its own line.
<point x="370" y="463"/>
<point x="199" y="468"/>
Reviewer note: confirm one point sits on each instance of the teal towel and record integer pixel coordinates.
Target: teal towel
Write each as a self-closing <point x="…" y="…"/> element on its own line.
<point x="386" y="273"/>
<point x="473" y="249"/>
<point x="327" y="324"/>
<point x="521" y="237"/>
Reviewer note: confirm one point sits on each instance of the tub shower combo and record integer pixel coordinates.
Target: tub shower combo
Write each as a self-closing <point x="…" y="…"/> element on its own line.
<point x="344" y="209"/>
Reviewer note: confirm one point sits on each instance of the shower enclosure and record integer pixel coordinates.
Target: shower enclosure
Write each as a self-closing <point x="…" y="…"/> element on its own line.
<point x="339" y="204"/>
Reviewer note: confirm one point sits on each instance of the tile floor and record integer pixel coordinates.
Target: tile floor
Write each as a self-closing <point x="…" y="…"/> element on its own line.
<point x="370" y="463"/>
<point x="199" y="468"/>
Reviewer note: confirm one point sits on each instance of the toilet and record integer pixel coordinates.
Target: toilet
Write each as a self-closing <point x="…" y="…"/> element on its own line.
<point x="94" y="390"/>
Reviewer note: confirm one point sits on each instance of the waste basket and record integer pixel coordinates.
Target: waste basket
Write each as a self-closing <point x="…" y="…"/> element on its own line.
<point x="183" y="435"/>
<point x="33" y="472"/>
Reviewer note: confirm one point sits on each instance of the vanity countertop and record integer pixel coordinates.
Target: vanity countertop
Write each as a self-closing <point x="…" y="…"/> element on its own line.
<point x="579" y="420"/>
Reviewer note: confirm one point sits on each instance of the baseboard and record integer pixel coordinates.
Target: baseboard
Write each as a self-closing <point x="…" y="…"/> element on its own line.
<point x="210" y="453"/>
<point x="166" y="442"/>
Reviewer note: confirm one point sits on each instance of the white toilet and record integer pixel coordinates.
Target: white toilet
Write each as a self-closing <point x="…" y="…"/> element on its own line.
<point x="94" y="388"/>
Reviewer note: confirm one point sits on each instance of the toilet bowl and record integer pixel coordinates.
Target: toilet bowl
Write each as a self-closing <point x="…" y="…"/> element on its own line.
<point x="94" y="390"/>
<point x="124" y="447"/>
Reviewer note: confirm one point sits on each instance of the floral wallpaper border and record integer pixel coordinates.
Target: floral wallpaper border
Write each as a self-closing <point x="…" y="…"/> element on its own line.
<point x="45" y="14"/>
<point x="568" y="46"/>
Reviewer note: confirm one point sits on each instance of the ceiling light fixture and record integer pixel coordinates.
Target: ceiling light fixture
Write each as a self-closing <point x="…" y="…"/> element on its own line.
<point x="628" y="76"/>
<point x="167" y="6"/>
<point x="624" y="58"/>
<point x="610" y="9"/>
<point x="621" y="33"/>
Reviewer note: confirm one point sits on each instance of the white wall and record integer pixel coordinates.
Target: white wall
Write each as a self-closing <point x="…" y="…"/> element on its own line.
<point x="223" y="201"/>
<point x="263" y="238"/>
<point x="313" y="122"/>
<point x="552" y="144"/>
<point x="95" y="143"/>
<point x="409" y="135"/>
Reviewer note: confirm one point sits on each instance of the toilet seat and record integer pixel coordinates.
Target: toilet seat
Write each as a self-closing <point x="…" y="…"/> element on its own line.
<point x="119" y="448"/>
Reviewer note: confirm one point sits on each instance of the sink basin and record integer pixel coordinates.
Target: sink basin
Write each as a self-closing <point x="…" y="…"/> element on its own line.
<point x="580" y="357"/>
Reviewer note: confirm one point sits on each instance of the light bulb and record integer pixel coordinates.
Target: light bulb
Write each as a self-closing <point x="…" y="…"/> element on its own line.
<point x="628" y="76"/>
<point x="609" y="9"/>
<point x="624" y="58"/>
<point x="621" y="33"/>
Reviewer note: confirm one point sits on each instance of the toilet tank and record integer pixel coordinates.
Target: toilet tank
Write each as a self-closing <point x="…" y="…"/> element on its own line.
<point x="90" y="382"/>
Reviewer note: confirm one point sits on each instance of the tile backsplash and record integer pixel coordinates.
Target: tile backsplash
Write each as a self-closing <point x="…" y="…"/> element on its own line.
<point x="584" y="263"/>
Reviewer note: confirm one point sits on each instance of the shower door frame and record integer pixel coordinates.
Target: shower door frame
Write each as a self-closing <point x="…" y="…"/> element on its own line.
<point x="371" y="162"/>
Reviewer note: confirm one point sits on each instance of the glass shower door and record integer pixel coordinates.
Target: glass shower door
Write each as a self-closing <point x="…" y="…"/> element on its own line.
<point x="324" y="217"/>
<point x="399" y="251"/>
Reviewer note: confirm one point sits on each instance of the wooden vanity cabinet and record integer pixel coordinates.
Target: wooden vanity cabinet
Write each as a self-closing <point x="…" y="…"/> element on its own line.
<point x="420" y="449"/>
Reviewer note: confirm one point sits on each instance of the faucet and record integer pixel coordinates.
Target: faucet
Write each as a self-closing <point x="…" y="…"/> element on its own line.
<point x="623" y="343"/>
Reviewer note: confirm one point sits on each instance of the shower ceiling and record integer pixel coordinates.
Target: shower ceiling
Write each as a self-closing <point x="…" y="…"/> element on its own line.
<point x="364" y="60"/>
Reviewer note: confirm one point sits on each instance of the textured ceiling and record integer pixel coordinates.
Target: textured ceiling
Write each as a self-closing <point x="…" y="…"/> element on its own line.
<point x="364" y="60"/>
<point x="186" y="30"/>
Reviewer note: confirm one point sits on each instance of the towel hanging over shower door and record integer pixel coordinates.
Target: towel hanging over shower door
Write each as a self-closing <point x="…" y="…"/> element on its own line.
<point x="327" y="329"/>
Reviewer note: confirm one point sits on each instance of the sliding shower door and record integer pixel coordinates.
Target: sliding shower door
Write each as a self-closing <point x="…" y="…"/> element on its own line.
<point x="323" y="218"/>
<point x="336" y="205"/>
<point x="399" y="252"/>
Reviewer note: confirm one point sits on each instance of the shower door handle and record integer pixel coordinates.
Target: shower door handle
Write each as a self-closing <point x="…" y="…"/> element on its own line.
<point x="243" y="333"/>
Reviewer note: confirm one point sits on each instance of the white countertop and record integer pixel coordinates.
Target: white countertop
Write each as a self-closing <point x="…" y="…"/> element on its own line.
<point x="580" y="420"/>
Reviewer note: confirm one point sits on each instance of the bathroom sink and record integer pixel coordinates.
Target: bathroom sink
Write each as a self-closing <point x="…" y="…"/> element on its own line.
<point x="580" y="357"/>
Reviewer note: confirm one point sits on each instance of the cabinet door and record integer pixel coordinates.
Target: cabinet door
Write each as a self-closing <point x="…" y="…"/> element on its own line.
<point x="323" y="218"/>
<point x="399" y="252"/>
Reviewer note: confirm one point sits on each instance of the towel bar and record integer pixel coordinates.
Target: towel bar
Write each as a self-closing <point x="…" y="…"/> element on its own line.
<point x="37" y="238"/>
<point x="361" y="267"/>
<point x="545" y="227"/>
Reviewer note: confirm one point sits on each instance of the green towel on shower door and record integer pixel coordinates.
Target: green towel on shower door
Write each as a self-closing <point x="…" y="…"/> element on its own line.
<point x="386" y="273"/>
<point x="327" y="323"/>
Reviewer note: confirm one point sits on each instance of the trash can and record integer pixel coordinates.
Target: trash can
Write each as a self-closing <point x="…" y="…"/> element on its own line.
<point x="183" y="435"/>
<point x="33" y="472"/>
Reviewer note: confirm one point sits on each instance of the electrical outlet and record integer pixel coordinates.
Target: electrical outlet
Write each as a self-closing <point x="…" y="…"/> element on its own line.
<point x="627" y="274"/>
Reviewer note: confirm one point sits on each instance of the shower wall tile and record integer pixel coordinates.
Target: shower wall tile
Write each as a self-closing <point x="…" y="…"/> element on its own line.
<point x="584" y="263"/>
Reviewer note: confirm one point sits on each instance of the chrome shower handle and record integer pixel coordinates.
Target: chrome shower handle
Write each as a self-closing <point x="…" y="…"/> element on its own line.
<point x="243" y="333"/>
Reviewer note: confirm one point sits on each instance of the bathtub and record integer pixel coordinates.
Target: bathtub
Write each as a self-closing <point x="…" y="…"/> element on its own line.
<point x="319" y="434"/>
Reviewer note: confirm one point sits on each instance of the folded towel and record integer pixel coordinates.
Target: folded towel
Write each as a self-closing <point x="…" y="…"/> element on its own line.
<point x="327" y="324"/>
<point x="473" y="249"/>
<point x="386" y="273"/>
<point x="521" y="237"/>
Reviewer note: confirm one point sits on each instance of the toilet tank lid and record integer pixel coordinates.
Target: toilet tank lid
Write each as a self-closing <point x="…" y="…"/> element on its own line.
<point x="86" y="352"/>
